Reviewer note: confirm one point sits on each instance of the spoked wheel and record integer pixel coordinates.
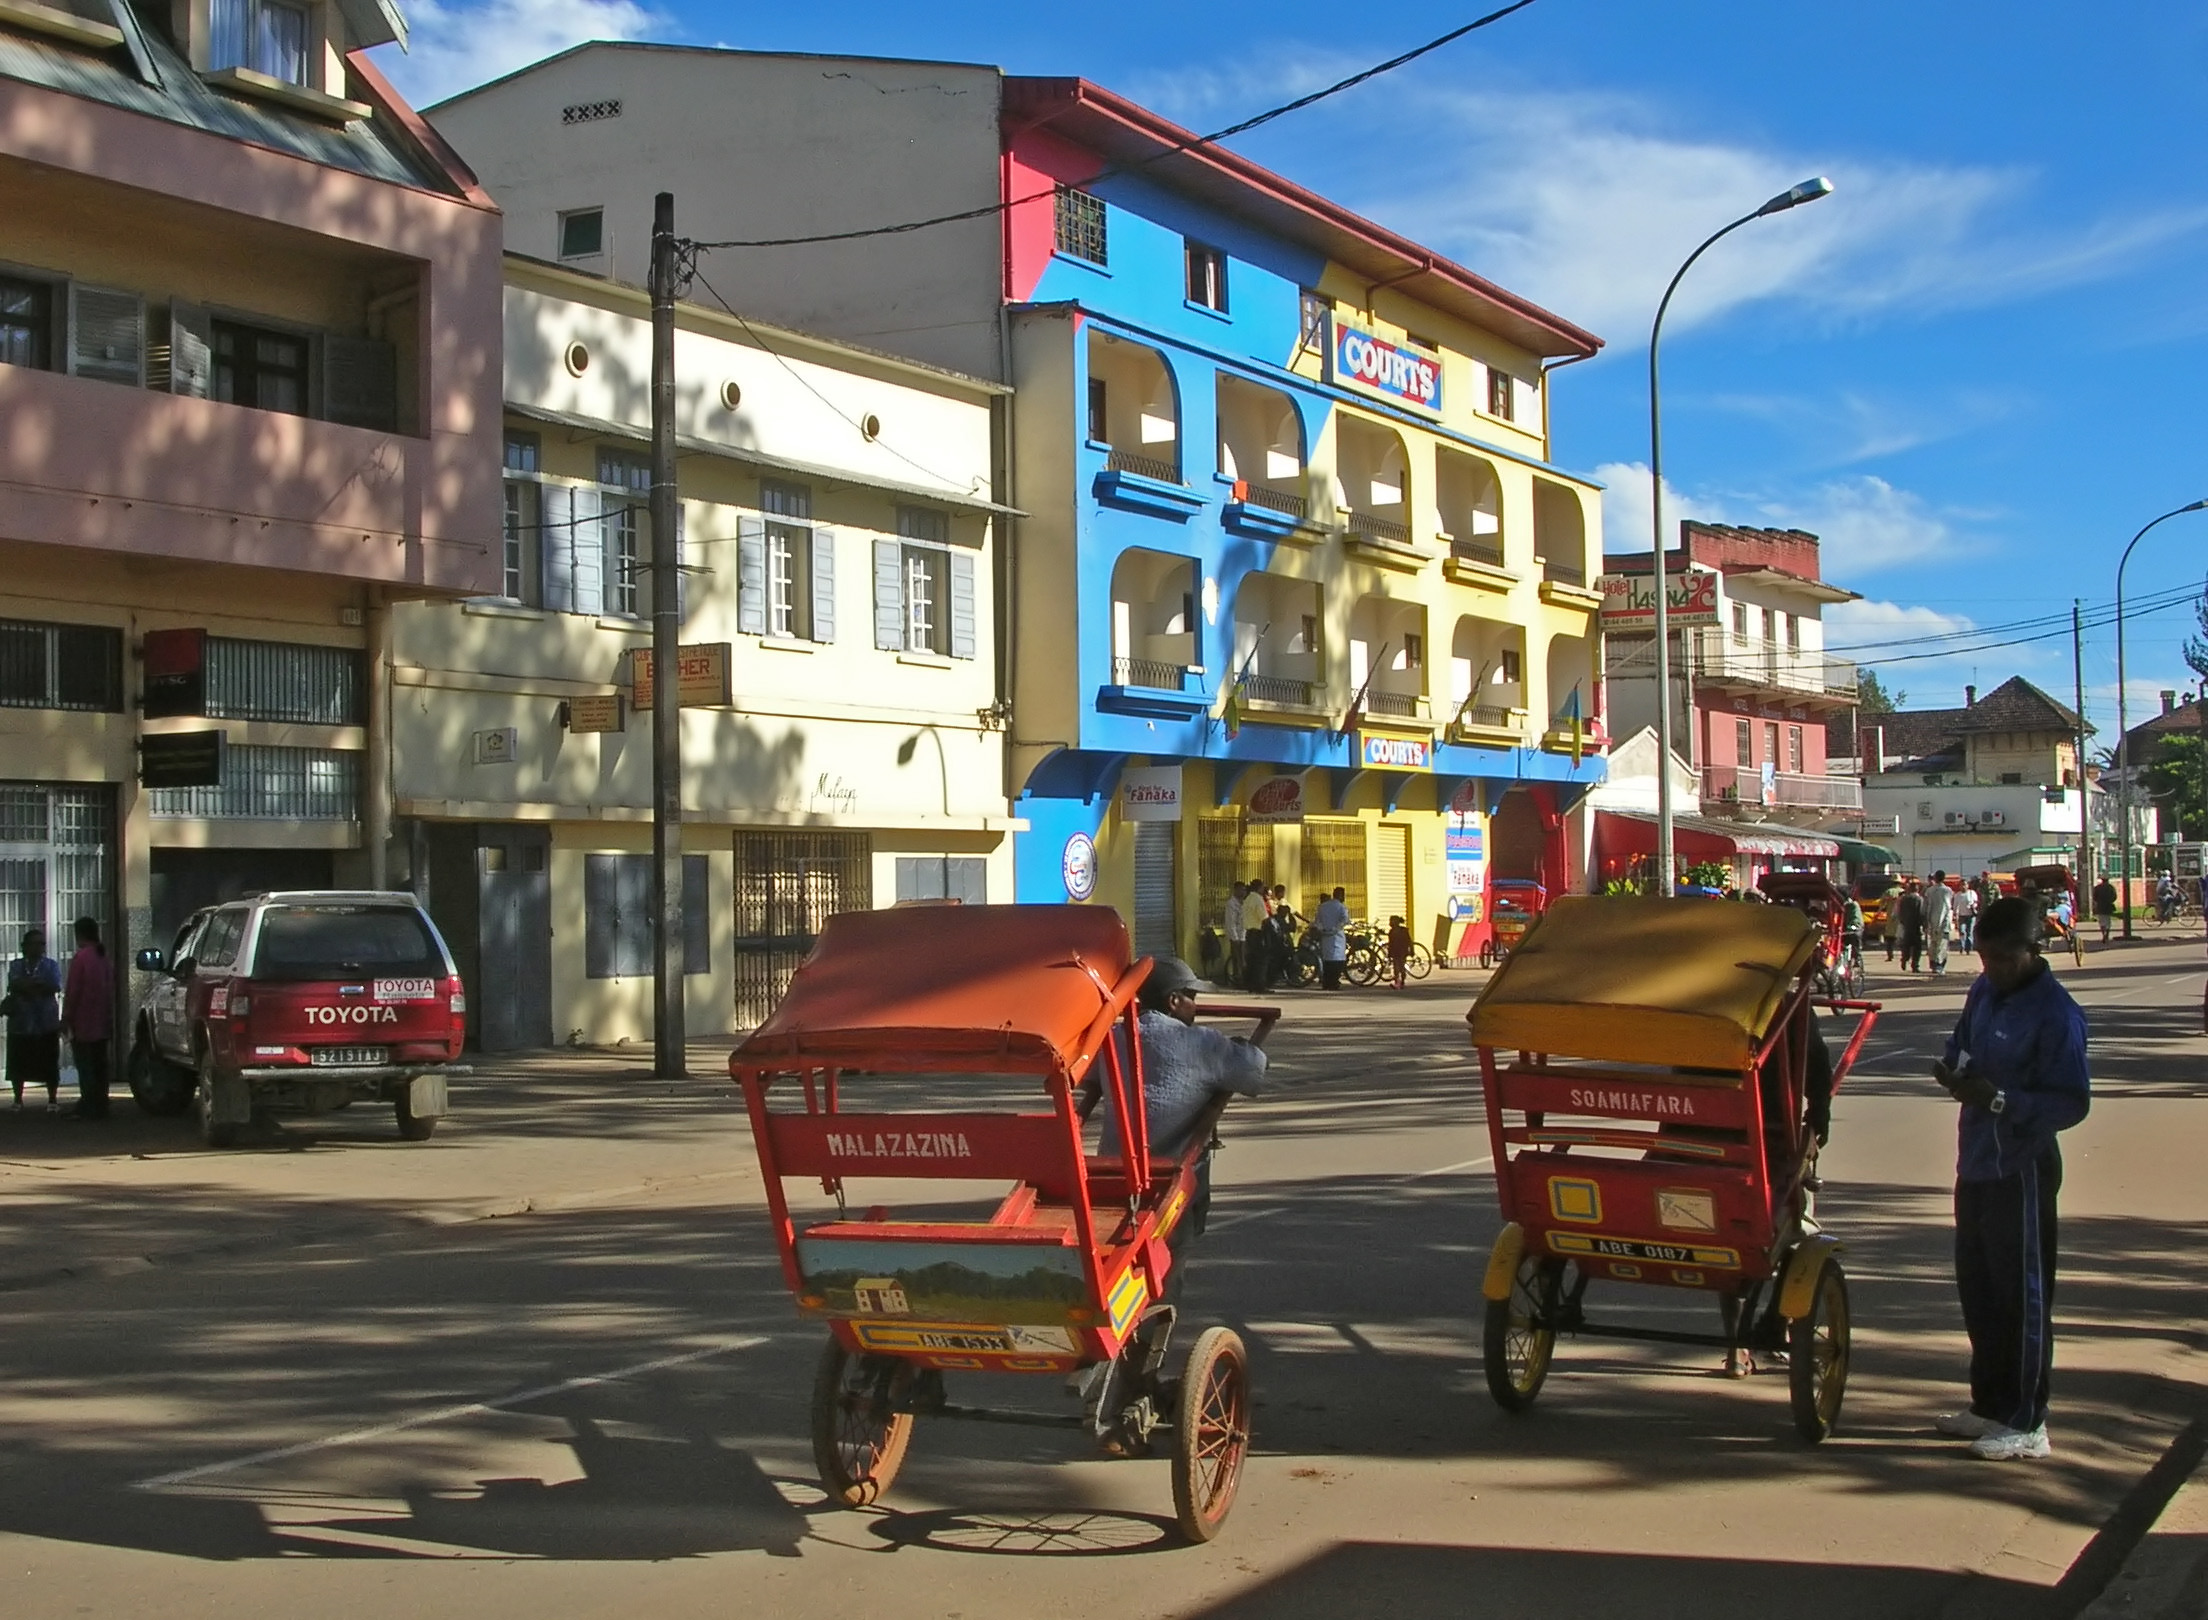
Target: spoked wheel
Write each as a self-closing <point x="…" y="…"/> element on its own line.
<point x="1211" y="1433"/>
<point x="1817" y="1356"/>
<point x="859" y="1441"/>
<point x="1521" y="1333"/>
<point x="1421" y="962"/>
<point x="1487" y="953"/>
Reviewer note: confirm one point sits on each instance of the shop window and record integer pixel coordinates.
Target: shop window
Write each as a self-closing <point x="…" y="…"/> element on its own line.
<point x="620" y="930"/>
<point x="1499" y="390"/>
<point x="964" y="878"/>
<point x="1079" y="222"/>
<point x="1744" y="742"/>
<point x="61" y="666"/>
<point x="271" y="784"/>
<point x="26" y="323"/>
<point x="296" y="683"/>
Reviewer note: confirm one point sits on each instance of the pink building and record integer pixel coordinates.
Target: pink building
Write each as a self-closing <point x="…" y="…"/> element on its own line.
<point x="249" y="397"/>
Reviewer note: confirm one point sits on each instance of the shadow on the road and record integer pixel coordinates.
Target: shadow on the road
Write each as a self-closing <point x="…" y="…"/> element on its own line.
<point x="1074" y="1534"/>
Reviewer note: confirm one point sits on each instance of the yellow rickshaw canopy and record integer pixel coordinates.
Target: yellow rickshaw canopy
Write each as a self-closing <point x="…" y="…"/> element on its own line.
<point x="1690" y="983"/>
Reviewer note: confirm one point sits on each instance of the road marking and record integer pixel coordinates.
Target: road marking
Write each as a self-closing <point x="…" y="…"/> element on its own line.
<point x="446" y="1414"/>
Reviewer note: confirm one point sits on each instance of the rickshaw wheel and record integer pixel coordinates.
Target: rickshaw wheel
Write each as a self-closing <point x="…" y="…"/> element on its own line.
<point x="1211" y="1433"/>
<point x="1521" y="1333"/>
<point x="858" y="1443"/>
<point x="1817" y="1356"/>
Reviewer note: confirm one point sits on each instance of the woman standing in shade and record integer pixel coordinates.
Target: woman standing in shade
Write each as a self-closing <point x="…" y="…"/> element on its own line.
<point x="88" y="1018"/>
<point x="34" y="1021"/>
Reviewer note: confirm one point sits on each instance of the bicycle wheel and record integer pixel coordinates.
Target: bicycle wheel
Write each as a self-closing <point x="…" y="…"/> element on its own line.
<point x="1363" y="968"/>
<point x="1520" y="1333"/>
<point x="1421" y="962"/>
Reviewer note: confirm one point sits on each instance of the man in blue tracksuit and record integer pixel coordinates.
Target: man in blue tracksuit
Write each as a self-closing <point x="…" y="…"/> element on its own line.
<point x="2016" y="1063"/>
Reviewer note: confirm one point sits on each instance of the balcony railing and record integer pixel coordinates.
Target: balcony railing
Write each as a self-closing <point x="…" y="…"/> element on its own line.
<point x="1563" y="574"/>
<point x="1126" y="461"/>
<point x="1156" y="673"/>
<point x="1478" y="551"/>
<point x="1722" y="657"/>
<point x="1401" y="705"/>
<point x="1744" y="784"/>
<point x="1379" y="528"/>
<point x="1276" y="500"/>
<point x="1496" y="717"/>
<point x="1280" y="689"/>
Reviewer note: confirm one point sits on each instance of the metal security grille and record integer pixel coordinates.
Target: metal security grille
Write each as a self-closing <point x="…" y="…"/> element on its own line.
<point x="787" y="886"/>
<point x="272" y="784"/>
<point x="57" y="860"/>
<point x="1227" y="848"/>
<point x="292" y="682"/>
<point x="61" y="666"/>
<point x="1391" y="875"/>
<point x="1334" y="858"/>
<point x="1080" y="225"/>
<point x="1155" y="866"/>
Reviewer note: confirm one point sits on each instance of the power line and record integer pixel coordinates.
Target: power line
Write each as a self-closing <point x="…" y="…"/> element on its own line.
<point x="1113" y="171"/>
<point x="2130" y="612"/>
<point x="2097" y="618"/>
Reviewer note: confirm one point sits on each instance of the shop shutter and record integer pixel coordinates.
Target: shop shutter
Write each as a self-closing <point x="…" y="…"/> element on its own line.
<point x="1391" y="874"/>
<point x="962" y="604"/>
<point x="889" y="596"/>
<point x="107" y="334"/>
<point x="697" y="920"/>
<point x="360" y="382"/>
<point x="601" y="915"/>
<point x="1155" y="934"/>
<point x="190" y="352"/>
<point x="824" y="584"/>
<point x="751" y="576"/>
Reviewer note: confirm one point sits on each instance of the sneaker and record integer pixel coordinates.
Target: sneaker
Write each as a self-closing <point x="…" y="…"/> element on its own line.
<point x="1964" y="1425"/>
<point x="2011" y="1445"/>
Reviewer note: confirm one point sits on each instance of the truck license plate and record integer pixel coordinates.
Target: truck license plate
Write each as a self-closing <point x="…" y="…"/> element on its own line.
<point x="350" y="1056"/>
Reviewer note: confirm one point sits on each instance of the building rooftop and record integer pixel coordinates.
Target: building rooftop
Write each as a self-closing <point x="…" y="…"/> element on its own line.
<point x="1932" y="737"/>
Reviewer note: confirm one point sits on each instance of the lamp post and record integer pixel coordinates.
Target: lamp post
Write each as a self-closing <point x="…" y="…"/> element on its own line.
<point x="2123" y="739"/>
<point x="1666" y="863"/>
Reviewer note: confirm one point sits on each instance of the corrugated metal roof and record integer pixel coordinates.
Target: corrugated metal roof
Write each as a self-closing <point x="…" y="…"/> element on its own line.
<point x="368" y="147"/>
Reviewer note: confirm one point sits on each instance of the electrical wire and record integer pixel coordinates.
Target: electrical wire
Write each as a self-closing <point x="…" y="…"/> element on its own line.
<point x="2130" y="612"/>
<point x="2095" y="616"/>
<point x="1113" y="171"/>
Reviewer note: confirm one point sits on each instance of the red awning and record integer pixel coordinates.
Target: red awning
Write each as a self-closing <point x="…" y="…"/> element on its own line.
<point x="1630" y="832"/>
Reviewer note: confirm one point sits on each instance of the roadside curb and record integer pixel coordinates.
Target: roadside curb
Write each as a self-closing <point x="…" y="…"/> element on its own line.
<point x="2164" y="1574"/>
<point x="307" y="1237"/>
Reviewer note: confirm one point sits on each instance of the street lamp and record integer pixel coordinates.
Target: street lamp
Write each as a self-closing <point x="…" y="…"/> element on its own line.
<point x="1666" y="864"/>
<point x="2123" y="739"/>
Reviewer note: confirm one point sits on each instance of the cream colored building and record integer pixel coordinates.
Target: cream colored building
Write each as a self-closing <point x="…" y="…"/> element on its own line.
<point x="838" y="541"/>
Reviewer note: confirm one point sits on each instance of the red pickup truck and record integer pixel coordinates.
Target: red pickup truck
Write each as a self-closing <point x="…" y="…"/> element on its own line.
<point x="300" y="1002"/>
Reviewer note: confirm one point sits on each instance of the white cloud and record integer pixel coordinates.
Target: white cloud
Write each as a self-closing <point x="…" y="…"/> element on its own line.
<point x="458" y="46"/>
<point x="1626" y="520"/>
<point x="1865" y="525"/>
<point x="1868" y="626"/>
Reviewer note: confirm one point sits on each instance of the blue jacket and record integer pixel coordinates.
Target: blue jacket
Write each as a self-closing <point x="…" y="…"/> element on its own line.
<point x="36" y="987"/>
<point x="2031" y="1044"/>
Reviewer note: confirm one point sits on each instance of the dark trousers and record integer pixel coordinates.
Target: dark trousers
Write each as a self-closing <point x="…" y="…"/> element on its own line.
<point x="34" y="1060"/>
<point x="92" y="1077"/>
<point x="2005" y="1271"/>
<point x="1330" y="973"/>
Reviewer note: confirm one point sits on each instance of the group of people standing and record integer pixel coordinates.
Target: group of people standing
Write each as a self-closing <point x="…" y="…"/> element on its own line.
<point x="1930" y="916"/>
<point x="47" y="1004"/>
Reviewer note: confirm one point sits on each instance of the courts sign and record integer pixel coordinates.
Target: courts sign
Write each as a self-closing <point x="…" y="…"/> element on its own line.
<point x="1356" y="358"/>
<point x="1380" y="753"/>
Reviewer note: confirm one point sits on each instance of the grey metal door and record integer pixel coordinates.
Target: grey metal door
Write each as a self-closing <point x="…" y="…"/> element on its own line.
<point x="787" y="885"/>
<point x="514" y="932"/>
<point x="1155" y="887"/>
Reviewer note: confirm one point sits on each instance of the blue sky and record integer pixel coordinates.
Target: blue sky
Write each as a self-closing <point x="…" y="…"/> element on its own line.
<point x="1975" y="370"/>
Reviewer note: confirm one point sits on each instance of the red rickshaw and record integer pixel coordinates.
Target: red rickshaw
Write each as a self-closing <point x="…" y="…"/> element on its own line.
<point x="2047" y="887"/>
<point x="1839" y="970"/>
<point x="959" y="1016"/>
<point x="1655" y="1090"/>
<point x="1513" y="906"/>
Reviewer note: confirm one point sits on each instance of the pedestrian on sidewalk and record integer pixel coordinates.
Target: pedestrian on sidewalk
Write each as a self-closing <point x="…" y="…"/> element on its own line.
<point x="88" y="1018"/>
<point x="1399" y="949"/>
<point x="2017" y="1065"/>
<point x="1939" y="921"/>
<point x="1331" y="924"/>
<point x="1909" y="919"/>
<point x="1966" y="918"/>
<point x="1232" y="922"/>
<point x="34" y="1021"/>
<point x="2104" y="905"/>
<point x="1256" y="913"/>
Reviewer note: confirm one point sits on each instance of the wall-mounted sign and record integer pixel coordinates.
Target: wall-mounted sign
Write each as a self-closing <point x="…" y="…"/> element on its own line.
<point x="595" y="713"/>
<point x="1150" y="793"/>
<point x="1278" y="799"/>
<point x="1379" y="753"/>
<point x="701" y="676"/>
<point x="181" y="759"/>
<point x="1629" y="600"/>
<point x="1077" y="862"/>
<point x="1356" y="358"/>
<point x="176" y="673"/>
<point x="501" y="745"/>
<point x="1466" y="851"/>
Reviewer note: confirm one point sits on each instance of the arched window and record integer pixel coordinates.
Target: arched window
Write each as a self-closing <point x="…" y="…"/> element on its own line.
<point x="1133" y="408"/>
<point x="1372" y="478"/>
<point x="1559" y="533"/>
<point x="1153" y="620"/>
<point x="1261" y="443"/>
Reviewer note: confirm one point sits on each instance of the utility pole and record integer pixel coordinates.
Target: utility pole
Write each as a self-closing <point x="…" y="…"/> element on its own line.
<point x="2086" y="852"/>
<point x="669" y="1038"/>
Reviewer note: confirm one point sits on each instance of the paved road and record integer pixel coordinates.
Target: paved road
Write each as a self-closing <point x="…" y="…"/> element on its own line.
<point x="332" y="1390"/>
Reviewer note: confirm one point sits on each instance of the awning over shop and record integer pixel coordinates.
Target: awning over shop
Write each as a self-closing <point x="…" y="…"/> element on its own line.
<point x="1630" y="832"/>
<point x="1857" y="853"/>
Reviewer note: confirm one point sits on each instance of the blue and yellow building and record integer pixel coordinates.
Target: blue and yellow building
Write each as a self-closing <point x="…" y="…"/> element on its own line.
<point x="1298" y="591"/>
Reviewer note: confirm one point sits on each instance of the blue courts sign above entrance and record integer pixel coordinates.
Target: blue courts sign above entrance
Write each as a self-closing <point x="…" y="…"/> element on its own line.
<point x="1356" y="358"/>
<point x="1379" y="753"/>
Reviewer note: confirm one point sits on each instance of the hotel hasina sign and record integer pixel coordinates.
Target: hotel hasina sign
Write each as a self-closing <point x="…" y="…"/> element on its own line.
<point x="1359" y="359"/>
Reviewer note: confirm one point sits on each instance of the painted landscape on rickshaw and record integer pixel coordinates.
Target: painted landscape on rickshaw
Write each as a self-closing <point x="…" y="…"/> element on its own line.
<point x="943" y="1282"/>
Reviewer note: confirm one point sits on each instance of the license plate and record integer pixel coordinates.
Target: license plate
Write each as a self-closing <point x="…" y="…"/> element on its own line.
<point x="406" y="989"/>
<point x="350" y="1056"/>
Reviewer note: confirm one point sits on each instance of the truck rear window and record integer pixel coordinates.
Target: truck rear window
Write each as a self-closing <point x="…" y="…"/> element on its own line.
<point x="345" y="942"/>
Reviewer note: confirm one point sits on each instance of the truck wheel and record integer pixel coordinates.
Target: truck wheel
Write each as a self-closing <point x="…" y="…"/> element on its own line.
<point x="156" y="1085"/>
<point x="410" y="1128"/>
<point x="215" y="1133"/>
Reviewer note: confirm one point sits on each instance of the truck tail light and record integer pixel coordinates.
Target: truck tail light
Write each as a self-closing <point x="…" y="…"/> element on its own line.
<point x="240" y="1007"/>
<point x="456" y="998"/>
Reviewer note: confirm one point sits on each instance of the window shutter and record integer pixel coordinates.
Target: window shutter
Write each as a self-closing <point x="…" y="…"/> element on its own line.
<point x="360" y="382"/>
<point x="697" y="923"/>
<point x="962" y="604"/>
<point x="601" y="916"/>
<point x="556" y="548"/>
<point x="588" y="550"/>
<point x="638" y="923"/>
<point x="889" y="596"/>
<point x="751" y="576"/>
<point x="186" y="364"/>
<point x="824" y="584"/>
<point x="107" y="334"/>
